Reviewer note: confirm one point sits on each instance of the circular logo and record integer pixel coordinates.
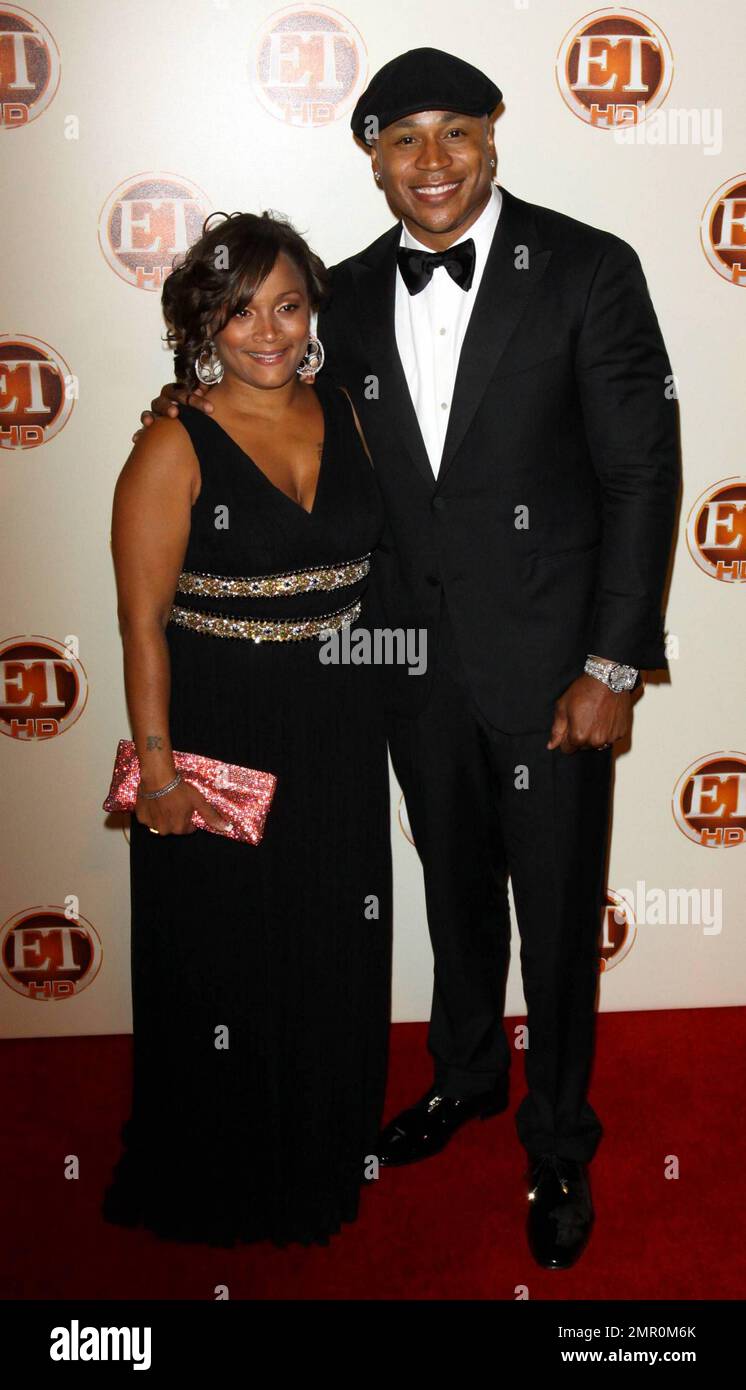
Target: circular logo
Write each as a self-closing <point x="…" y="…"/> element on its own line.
<point x="722" y="230"/>
<point x="43" y="687"/>
<point x="29" y="67"/>
<point x="716" y="531"/>
<point x="46" y="954"/>
<point x="709" y="801"/>
<point x="618" y="930"/>
<point x="308" y="65"/>
<point x="614" y="68"/>
<point x="37" y="391"/>
<point x="148" y="221"/>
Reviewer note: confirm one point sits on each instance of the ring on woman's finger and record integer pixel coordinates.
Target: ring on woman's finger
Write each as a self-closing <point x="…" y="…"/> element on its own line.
<point x="153" y="830"/>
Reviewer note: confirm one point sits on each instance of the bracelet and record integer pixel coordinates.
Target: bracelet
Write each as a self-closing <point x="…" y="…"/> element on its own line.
<point x="152" y="796"/>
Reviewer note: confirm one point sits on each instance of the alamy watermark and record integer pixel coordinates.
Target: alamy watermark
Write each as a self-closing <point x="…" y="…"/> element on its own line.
<point x="666" y="907"/>
<point x="673" y="126"/>
<point x="378" y="646"/>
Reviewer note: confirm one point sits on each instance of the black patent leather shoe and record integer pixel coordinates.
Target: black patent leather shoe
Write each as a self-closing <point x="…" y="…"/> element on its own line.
<point x="560" y="1213"/>
<point x="426" y="1127"/>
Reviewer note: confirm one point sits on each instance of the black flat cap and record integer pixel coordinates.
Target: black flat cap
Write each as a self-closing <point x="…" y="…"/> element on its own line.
<point x="424" y="79"/>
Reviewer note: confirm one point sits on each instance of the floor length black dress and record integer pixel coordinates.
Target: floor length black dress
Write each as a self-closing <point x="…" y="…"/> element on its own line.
<point x="261" y="974"/>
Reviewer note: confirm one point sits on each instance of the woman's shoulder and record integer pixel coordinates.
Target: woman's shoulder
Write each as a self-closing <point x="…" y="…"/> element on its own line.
<point x="164" y="445"/>
<point x="189" y="432"/>
<point x="166" y="434"/>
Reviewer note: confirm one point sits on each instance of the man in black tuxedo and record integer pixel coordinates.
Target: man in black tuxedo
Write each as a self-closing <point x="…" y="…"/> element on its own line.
<point x="508" y="371"/>
<point x="530" y="483"/>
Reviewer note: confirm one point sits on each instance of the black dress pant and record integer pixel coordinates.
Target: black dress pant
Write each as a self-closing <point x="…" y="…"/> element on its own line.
<point x="485" y="806"/>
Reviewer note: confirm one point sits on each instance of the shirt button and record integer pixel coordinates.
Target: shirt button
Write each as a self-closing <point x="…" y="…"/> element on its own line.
<point x="442" y="331"/>
<point x="444" y="405"/>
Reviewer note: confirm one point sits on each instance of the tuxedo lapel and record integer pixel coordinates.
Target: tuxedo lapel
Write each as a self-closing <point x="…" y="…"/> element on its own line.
<point x="375" y="276"/>
<point x="514" y="267"/>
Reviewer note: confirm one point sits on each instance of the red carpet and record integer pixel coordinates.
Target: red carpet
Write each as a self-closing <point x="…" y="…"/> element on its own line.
<point x="452" y="1227"/>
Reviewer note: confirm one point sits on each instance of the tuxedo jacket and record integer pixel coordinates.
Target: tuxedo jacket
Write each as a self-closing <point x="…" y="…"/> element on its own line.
<point x="548" y="526"/>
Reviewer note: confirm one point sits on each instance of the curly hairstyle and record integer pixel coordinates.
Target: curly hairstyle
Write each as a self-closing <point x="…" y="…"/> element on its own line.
<point x="221" y="272"/>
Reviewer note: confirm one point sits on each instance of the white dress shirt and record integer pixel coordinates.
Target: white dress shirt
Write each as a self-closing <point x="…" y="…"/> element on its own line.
<point x="430" y="328"/>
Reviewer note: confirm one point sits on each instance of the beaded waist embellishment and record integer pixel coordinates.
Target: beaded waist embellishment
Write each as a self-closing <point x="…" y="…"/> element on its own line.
<point x="261" y="630"/>
<point x="322" y="577"/>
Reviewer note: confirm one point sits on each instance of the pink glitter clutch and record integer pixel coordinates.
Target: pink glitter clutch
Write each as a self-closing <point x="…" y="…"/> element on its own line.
<point x="242" y="795"/>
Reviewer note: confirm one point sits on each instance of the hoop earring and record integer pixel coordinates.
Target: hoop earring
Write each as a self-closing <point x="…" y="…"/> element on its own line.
<point x="208" y="367"/>
<point x="313" y="360"/>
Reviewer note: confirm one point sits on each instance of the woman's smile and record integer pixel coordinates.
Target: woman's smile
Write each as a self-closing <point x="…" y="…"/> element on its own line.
<point x="268" y="359"/>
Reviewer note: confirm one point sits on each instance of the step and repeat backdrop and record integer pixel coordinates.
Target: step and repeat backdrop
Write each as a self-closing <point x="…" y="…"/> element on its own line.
<point x="122" y="126"/>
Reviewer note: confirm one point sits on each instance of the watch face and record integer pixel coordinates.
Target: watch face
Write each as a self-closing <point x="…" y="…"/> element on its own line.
<point x="621" y="678"/>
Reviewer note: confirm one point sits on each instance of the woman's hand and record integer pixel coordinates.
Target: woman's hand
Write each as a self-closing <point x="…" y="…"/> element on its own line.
<point x="172" y="814"/>
<point x="170" y="398"/>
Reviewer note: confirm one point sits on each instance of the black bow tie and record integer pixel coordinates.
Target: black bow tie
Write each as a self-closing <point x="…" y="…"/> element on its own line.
<point x="417" y="266"/>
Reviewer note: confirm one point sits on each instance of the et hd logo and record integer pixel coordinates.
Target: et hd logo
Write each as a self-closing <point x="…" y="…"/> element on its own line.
<point x="49" y="953"/>
<point x="709" y="801"/>
<point x="37" y="392"/>
<point x="43" y="687"/>
<point x="29" y="67"/>
<point x="146" y="222"/>
<point x="716" y="531"/>
<point x="614" y="68"/>
<point x="308" y="65"/>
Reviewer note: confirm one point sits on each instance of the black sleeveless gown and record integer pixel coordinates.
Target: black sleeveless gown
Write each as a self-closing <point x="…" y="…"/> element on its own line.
<point x="261" y="974"/>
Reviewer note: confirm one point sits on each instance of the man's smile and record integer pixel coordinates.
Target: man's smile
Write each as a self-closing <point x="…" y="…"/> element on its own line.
<point x="435" y="192"/>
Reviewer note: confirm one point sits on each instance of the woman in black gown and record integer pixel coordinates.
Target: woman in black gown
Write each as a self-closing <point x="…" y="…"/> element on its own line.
<point x="260" y="974"/>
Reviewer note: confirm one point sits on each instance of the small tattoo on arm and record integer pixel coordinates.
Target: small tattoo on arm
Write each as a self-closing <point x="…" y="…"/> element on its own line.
<point x="153" y="741"/>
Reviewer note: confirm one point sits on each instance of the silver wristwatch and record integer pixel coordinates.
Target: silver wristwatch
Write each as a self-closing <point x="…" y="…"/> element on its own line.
<point x="613" y="674"/>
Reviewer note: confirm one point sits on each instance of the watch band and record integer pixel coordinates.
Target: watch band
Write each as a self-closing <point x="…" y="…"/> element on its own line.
<point x="613" y="674"/>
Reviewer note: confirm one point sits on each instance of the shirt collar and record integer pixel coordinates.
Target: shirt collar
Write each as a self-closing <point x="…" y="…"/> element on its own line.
<point x="481" y="231"/>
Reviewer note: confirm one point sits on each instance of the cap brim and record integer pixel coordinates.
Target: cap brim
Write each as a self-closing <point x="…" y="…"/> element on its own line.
<point x="434" y="105"/>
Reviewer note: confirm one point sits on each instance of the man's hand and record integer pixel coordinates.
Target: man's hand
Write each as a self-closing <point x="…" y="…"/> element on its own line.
<point x="589" y="715"/>
<point x="172" y="396"/>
